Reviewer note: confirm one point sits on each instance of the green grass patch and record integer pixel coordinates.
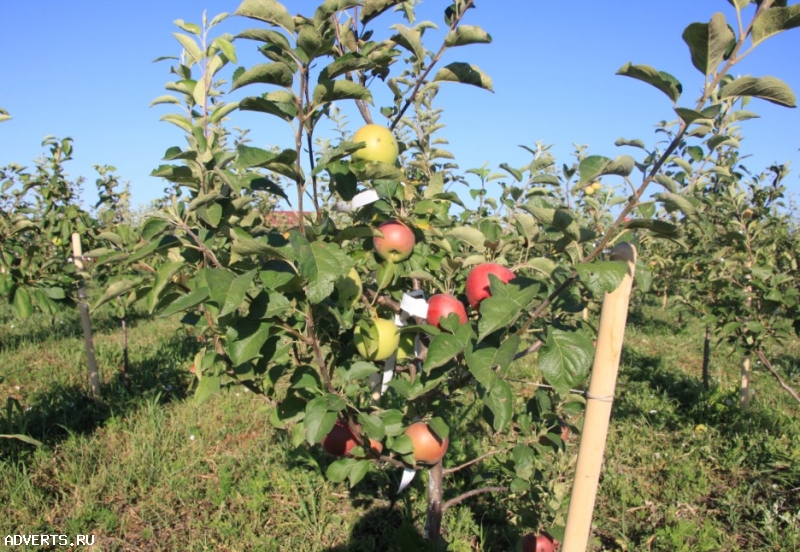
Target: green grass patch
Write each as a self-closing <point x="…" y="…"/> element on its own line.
<point x="149" y="470"/>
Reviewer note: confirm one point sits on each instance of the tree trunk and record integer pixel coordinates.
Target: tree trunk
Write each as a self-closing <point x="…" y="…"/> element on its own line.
<point x="433" y="518"/>
<point x="86" y="323"/>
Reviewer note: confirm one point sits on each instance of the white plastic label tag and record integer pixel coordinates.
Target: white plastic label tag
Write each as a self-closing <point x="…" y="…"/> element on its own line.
<point x="364" y="198"/>
<point x="414" y="306"/>
<point x="408" y="477"/>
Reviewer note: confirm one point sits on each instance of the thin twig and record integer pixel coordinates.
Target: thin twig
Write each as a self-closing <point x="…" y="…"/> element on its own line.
<point x="775" y="373"/>
<point x="473" y="461"/>
<point x="469" y="494"/>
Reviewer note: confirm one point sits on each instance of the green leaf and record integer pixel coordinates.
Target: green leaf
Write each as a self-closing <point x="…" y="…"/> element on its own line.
<point x="185" y="302"/>
<point x="594" y="166"/>
<point x="268" y="36"/>
<point x="464" y="73"/>
<point x="357" y="472"/>
<point x="466" y="34"/>
<point x="709" y="42"/>
<point x="163" y="277"/>
<point x="775" y="20"/>
<point x="321" y="264"/>
<point x="373" y="8"/>
<point x="500" y="400"/>
<point x="665" y="82"/>
<point x="151" y="247"/>
<point x="20" y="437"/>
<point x="116" y="289"/>
<point x="359" y="370"/>
<point x="22" y="303"/>
<point x="221" y="111"/>
<point x="602" y="276"/>
<point x="505" y="304"/>
<point x="319" y="420"/>
<point x="190" y="46"/>
<point x="284" y="110"/>
<point x="276" y="73"/>
<point x="334" y="90"/>
<point x="246" y="339"/>
<point x="237" y="291"/>
<point x="676" y="202"/>
<point x="344" y="64"/>
<point x="470" y="236"/>
<point x="249" y="156"/>
<point x="339" y="470"/>
<point x="482" y="361"/>
<point x="165" y="99"/>
<point x="446" y="346"/>
<point x="245" y="245"/>
<point x="208" y="387"/>
<point x="771" y="89"/>
<point x="411" y="40"/>
<point x="690" y="115"/>
<point x="269" y="11"/>
<point x="565" y="358"/>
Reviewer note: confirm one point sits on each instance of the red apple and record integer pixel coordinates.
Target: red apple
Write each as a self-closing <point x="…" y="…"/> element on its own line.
<point x="537" y="543"/>
<point x="340" y="440"/>
<point x="397" y="242"/>
<point x="428" y="447"/>
<point x="442" y="304"/>
<point x="478" y="287"/>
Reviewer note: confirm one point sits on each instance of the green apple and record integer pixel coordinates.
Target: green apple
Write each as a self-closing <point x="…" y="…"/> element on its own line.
<point x="406" y="347"/>
<point x="378" y="341"/>
<point x="349" y="289"/>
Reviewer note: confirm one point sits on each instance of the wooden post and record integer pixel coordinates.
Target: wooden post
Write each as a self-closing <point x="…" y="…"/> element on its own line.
<point x="707" y="358"/>
<point x="88" y="340"/>
<point x="613" y="317"/>
<point x="744" y="390"/>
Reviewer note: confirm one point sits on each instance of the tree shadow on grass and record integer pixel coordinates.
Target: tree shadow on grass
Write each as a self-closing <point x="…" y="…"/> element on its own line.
<point x="63" y="410"/>
<point x="65" y="325"/>
<point x="647" y="384"/>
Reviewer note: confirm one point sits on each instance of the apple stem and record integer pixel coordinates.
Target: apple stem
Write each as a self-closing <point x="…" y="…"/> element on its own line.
<point x="433" y="518"/>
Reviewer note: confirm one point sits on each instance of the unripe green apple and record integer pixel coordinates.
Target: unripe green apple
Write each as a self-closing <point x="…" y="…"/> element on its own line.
<point x="349" y="289"/>
<point x="381" y="145"/>
<point x="406" y="347"/>
<point x="379" y="342"/>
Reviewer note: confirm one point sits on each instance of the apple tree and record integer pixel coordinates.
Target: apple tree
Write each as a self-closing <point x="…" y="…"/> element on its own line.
<point x="328" y="323"/>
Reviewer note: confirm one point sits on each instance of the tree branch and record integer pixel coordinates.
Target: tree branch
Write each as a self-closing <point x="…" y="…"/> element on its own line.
<point x="762" y="357"/>
<point x="469" y="494"/>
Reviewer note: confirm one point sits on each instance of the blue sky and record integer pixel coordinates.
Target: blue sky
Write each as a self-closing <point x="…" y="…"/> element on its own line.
<point x="84" y="69"/>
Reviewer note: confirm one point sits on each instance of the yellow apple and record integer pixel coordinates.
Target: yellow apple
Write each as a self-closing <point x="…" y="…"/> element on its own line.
<point x="379" y="342"/>
<point x="381" y="146"/>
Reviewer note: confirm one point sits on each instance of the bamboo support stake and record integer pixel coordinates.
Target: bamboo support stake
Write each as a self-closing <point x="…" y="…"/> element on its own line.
<point x="613" y="317"/>
<point x="88" y="340"/>
<point x="744" y="390"/>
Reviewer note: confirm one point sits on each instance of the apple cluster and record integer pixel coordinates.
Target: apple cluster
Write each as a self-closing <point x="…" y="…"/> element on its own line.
<point x="379" y="339"/>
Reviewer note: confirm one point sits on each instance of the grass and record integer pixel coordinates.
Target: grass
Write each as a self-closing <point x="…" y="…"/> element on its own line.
<point x="150" y="470"/>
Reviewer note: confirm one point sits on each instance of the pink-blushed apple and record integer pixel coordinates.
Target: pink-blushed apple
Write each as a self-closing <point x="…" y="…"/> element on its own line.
<point x="397" y="241"/>
<point x="442" y="304"/>
<point x="478" y="284"/>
